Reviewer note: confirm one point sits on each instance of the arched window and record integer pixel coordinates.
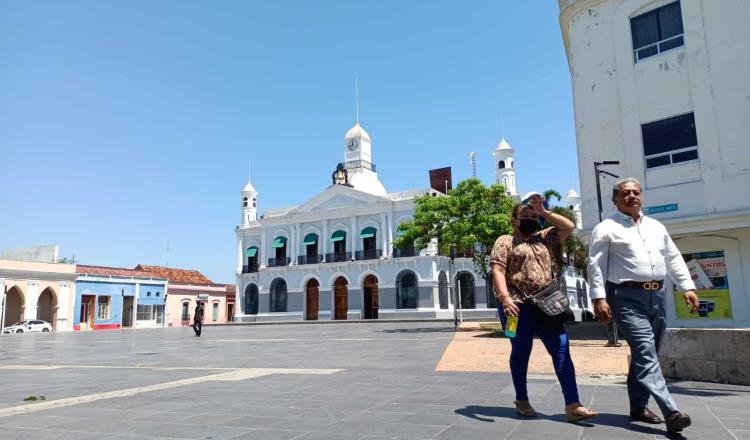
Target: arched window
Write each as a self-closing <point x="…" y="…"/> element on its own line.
<point x="501" y="165"/>
<point x="465" y="286"/>
<point x="278" y="296"/>
<point x="244" y="202"/>
<point x="443" y="290"/>
<point x="407" y="291"/>
<point x="510" y="163"/>
<point x="338" y="238"/>
<point x="251" y="254"/>
<point x="251" y="299"/>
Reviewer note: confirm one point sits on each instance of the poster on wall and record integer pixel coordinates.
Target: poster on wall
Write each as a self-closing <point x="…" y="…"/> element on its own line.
<point x="709" y="272"/>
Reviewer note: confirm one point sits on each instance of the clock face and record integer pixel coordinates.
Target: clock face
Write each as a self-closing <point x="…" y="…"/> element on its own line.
<point x="352" y="145"/>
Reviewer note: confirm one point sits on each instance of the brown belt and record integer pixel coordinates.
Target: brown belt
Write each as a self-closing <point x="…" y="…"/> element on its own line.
<point x="647" y="285"/>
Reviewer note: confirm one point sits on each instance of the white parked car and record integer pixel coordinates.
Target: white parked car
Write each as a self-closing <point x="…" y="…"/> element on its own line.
<point x="29" y="326"/>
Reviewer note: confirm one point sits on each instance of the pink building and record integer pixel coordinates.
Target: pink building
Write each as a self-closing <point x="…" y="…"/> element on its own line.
<point x="186" y="287"/>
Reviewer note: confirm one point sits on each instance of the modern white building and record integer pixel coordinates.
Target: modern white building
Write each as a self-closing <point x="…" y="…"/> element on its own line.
<point x="662" y="86"/>
<point x="332" y="257"/>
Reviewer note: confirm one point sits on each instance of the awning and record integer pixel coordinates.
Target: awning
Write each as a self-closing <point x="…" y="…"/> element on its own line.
<point x="251" y="252"/>
<point x="310" y="238"/>
<point x="338" y="235"/>
<point x="279" y="242"/>
<point x="368" y="232"/>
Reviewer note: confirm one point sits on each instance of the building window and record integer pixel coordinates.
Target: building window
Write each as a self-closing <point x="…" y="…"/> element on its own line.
<point x="670" y="141"/>
<point x="407" y="291"/>
<point x="278" y="296"/>
<point x="158" y="294"/>
<point x="215" y="314"/>
<point x="148" y="293"/>
<point x="657" y="31"/>
<point x="102" y="311"/>
<point x="186" y="311"/>
<point x="158" y="314"/>
<point x="143" y="313"/>
<point x="501" y="165"/>
<point x="465" y="286"/>
<point x="443" y="290"/>
<point x="251" y="299"/>
<point x="244" y="202"/>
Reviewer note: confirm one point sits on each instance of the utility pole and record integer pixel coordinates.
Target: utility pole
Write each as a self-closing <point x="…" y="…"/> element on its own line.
<point x="612" y="327"/>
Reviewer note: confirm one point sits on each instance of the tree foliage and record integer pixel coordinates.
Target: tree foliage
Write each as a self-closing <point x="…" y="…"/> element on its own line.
<point x="471" y="213"/>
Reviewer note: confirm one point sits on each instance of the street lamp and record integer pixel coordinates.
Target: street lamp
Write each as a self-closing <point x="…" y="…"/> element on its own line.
<point x="612" y="327"/>
<point x="452" y="282"/>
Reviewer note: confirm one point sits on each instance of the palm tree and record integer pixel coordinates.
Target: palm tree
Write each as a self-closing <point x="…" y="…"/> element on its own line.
<point x="552" y="193"/>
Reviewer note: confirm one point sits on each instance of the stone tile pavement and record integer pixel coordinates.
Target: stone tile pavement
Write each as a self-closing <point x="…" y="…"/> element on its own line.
<point x="379" y="382"/>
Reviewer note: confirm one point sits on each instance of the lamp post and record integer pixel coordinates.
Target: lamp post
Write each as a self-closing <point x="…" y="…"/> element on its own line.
<point x="612" y="327"/>
<point x="452" y="282"/>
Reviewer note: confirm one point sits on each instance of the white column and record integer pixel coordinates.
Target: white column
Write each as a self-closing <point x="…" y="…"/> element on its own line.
<point x="63" y="314"/>
<point x="2" y="304"/>
<point x="354" y="236"/>
<point x="31" y="300"/>
<point x="390" y="234"/>
<point x="297" y="242"/>
<point x="384" y="235"/>
<point x="262" y="250"/>
<point x="240" y="257"/>
<point x="135" y="305"/>
<point x="324" y="240"/>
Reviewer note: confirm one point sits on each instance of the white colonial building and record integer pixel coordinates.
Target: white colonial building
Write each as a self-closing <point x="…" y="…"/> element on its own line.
<point x="663" y="87"/>
<point x="332" y="257"/>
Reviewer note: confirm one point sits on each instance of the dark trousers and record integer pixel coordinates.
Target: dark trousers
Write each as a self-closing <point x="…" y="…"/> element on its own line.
<point x="532" y="321"/>
<point x="197" y="327"/>
<point x="641" y="316"/>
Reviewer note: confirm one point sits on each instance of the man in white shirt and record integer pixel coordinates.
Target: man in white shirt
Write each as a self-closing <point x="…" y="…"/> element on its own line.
<point x="629" y="258"/>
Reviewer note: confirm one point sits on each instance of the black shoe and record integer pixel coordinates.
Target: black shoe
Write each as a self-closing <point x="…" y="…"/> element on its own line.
<point x="677" y="421"/>
<point x="645" y="415"/>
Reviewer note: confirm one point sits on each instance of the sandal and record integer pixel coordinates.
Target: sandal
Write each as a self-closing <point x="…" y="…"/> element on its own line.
<point x="524" y="409"/>
<point x="575" y="412"/>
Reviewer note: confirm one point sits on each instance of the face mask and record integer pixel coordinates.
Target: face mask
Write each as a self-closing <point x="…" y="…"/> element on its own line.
<point x="528" y="226"/>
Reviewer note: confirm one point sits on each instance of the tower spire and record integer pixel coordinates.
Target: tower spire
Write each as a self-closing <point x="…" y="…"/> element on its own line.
<point x="356" y="95"/>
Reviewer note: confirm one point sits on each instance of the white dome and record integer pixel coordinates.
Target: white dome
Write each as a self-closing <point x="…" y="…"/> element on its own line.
<point x="249" y="187"/>
<point x="357" y="132"/>
<point x="366" y="181"/>
<point x="503" y="145"/>
<point x="571" y="194"/>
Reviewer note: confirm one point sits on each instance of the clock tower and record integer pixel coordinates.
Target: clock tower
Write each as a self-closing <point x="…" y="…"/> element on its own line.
<point x="505" y="171"/>
<point x="358" y="161"/>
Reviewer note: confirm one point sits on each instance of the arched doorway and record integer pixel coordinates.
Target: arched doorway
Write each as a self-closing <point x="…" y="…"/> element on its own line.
<point x="465" y="286"/>
<point x="312" y="295"/>
<point x="278" y="296"/>
<point x="443" y="290"/>
<point x="251" y="299"/>
<point x="407" y="290"/>
<point x="340" y="298"/>
<point x="370" y="292"/>
<point x="13" y="306"/>
<point x="46" y="307"/>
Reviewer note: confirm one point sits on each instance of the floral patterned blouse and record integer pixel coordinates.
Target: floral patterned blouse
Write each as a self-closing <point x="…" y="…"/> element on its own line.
<point x="528" y="263"/>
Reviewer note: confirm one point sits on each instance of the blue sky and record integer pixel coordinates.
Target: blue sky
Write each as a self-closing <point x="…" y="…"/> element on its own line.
<point x="125" y="125"/>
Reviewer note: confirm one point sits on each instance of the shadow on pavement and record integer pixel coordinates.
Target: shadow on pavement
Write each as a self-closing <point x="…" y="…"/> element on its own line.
<point x="476" y="412"/>
<point x="621" y="421"/>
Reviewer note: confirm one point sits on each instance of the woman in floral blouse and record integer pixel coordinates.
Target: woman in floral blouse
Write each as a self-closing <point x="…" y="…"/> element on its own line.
<point x="522" y="265"/>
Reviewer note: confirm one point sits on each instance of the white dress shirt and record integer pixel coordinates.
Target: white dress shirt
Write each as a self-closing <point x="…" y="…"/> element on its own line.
<point x="623" y="250"/>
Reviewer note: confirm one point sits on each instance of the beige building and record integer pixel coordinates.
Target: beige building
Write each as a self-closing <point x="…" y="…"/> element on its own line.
<point x="33" y="290"/>
<point x="186" y="288"/>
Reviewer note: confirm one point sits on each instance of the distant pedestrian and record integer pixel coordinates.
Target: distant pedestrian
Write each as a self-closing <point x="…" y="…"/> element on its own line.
<point x="522" y="265"/>
<point x="198" y="318"/>
<point x="629" y="258"/>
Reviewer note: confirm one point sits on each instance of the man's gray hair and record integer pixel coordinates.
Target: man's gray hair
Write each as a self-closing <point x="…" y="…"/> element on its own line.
<point x="621" y="182"/>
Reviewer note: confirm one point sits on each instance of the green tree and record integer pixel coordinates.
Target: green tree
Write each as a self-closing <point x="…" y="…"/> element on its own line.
<point x="550" y="193"/>
<point x="471" y="213"/>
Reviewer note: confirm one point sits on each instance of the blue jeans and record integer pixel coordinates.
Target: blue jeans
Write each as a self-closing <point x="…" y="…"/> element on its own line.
<point x="533" y="321"/>
<point x="641" y="317"/>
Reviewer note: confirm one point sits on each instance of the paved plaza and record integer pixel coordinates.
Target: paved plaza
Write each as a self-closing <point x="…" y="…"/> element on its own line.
<point x="305" y="381"/>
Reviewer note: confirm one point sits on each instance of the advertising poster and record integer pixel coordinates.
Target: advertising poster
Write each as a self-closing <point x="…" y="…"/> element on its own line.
<point x="709" y="272"/>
